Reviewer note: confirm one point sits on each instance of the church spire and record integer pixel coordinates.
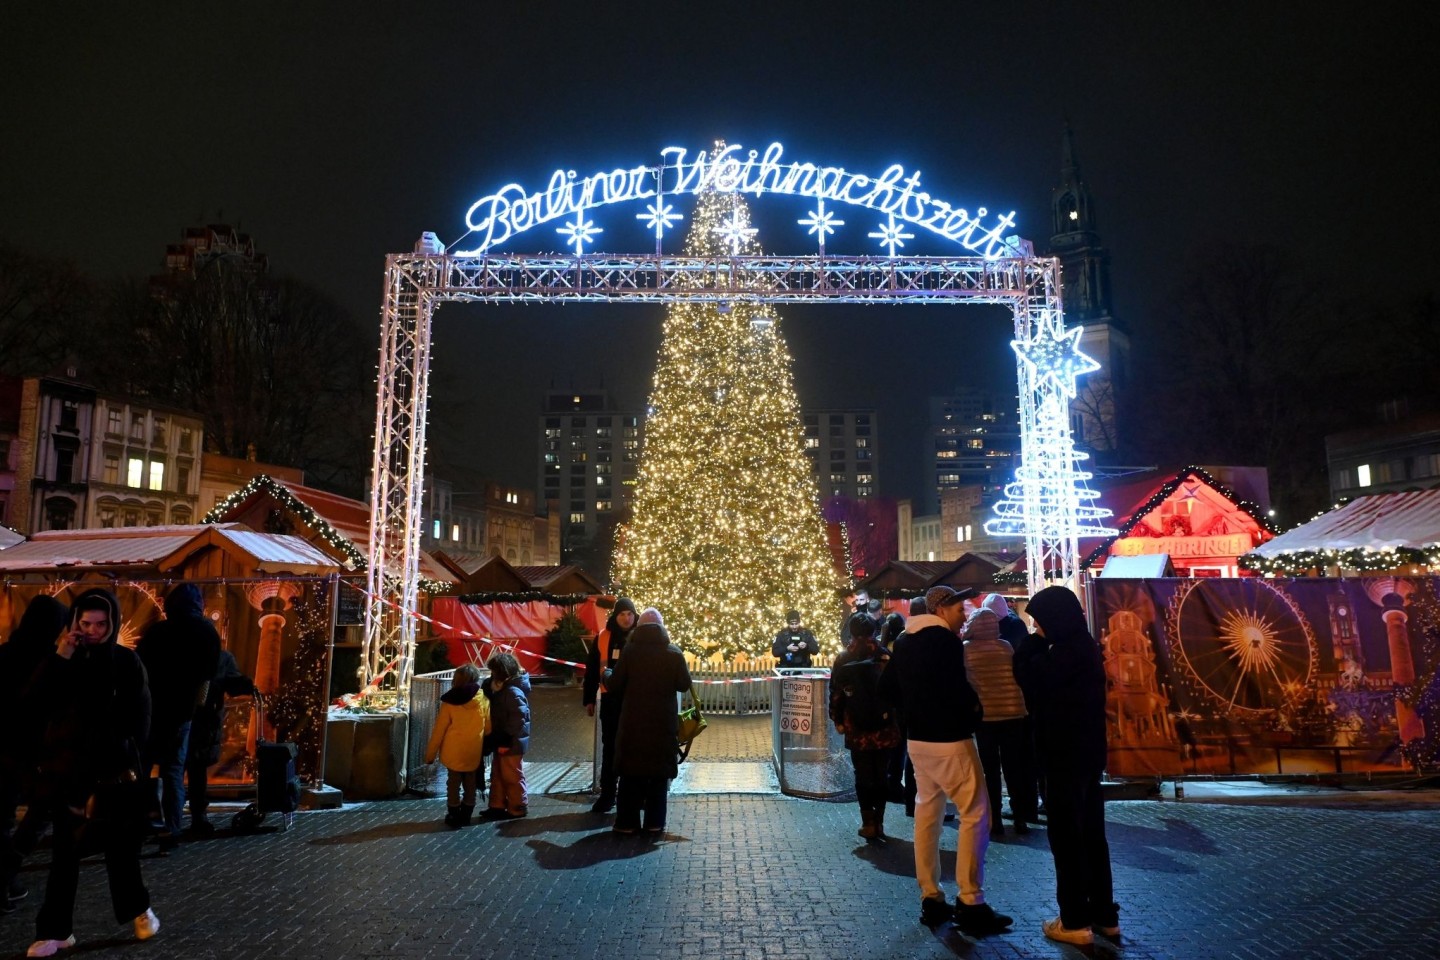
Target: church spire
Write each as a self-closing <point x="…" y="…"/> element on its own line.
<point x="1069" y="169"/>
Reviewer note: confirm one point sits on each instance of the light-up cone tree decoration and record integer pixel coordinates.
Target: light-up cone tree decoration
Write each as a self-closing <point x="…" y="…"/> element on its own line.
<point x="726" y="535"/>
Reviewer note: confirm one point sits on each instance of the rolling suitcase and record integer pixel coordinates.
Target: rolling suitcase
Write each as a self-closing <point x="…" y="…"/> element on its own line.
<point x="277" y="785"/>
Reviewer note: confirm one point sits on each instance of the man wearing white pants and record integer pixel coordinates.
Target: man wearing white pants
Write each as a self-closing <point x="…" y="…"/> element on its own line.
<point x="926" y="681"/>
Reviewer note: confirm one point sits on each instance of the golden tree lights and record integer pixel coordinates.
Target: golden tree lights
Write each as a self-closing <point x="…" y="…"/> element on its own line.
<point x="727" y="534"/>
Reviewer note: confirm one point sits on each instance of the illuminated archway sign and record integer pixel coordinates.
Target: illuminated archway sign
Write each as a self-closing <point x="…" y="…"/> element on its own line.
<point x="1048" y="503"/>
<point x="895" y="193"/>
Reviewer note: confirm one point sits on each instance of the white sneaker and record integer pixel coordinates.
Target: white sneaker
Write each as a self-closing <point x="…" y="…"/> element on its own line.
<point x="1056" y="930"/>
<point x="146" y="925"/>
<point x="48" y="948"/>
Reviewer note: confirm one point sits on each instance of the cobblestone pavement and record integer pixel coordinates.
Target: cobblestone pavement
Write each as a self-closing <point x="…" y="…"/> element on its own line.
<point x="765" y="877"/>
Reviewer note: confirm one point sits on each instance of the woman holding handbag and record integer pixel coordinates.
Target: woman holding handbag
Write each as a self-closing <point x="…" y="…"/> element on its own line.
<point x="648" y="676"/>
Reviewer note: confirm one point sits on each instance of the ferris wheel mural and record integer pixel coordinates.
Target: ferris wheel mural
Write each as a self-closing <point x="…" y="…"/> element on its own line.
<point x="1242" y="644"/>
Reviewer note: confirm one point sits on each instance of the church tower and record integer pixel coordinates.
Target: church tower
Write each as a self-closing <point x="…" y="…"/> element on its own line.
<point x="1085" y="280"/>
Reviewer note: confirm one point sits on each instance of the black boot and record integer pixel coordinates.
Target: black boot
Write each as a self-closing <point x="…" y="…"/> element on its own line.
<point x="880" y="825"/>
<point x="467" y="810"/>
<point x="867" y="828"/>
<point x="452" y="817"/>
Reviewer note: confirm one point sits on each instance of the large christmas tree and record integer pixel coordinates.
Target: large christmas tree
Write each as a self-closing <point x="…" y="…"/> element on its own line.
<point x="726" y="535"/>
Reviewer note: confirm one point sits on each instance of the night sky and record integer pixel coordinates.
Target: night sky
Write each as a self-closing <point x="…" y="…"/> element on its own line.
<point x="335" y="135"/>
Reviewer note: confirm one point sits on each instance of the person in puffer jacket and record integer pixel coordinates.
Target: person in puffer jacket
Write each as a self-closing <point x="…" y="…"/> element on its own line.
<point x="509" y="691"/>
<point x="458" y="740"/>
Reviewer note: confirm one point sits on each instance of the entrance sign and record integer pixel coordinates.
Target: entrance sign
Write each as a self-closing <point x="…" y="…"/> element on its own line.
<point x="1048" y="503"/>
<point x="895" y="194"/>
<point x="797" y="706"/>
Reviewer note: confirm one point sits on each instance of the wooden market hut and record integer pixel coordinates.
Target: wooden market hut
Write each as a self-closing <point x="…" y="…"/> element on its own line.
<point x="1202" y="524"/>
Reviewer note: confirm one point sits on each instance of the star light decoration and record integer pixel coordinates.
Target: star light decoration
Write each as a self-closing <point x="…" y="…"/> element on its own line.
<point x="579" y="232"/>
<point x="736" y="230"/>
<point x="891" y="235"/>
<point x="659" y="216"/>
<point x="822" y="222"/>
<point x="1053" y="354"/>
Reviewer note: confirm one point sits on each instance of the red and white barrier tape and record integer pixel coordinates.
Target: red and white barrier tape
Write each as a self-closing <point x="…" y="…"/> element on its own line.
<point x="496" y="644"/>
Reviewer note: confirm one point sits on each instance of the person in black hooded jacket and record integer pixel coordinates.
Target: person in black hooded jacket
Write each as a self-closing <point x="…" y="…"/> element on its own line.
<point x="180" y="654"/>
<point x="28" y="644"/>
<point x="93" y="700"/>
<point x="1062" y="670"/>
<point x="603" y="656"/>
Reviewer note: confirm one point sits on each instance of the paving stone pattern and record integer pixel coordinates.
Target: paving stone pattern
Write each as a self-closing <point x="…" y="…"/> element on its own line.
<point x="764" y="877"/>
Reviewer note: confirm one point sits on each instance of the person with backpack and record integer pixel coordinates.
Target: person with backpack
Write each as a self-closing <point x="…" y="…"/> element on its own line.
<point x="871" y="733"/>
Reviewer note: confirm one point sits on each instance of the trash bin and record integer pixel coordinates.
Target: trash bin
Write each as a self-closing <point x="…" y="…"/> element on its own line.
<point x="810" y="757"/>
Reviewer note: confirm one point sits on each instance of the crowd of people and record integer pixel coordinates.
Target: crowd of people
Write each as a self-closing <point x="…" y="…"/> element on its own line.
<point x="938" y="707"/>
<point x="958" y="697"/>
<point x="99" y="745"/>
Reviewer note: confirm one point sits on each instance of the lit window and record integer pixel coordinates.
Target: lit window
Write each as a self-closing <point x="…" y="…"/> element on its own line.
<point x="577" y="518"/>
<point x="436" y="532"/>
<point x="455" y="531"/>
<point x="157" y="475"/>
<point x="1363" y="472"/>
<point x="812" y="442"/>
<point x="967" y="531"/>
<point x="135" y="472"/>
<point x="960" y="534"/>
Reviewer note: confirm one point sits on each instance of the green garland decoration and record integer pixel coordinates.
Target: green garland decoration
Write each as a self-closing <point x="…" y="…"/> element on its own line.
<point x="1359" y="559"/>
<point x="264" y="483"/>
<point x="1250" y="507"/>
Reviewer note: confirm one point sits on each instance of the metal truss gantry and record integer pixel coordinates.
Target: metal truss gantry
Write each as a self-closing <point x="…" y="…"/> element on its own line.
<point x="415" y="283"/>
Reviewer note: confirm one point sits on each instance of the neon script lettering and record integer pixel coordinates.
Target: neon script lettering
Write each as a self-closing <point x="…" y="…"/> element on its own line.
<point x="512" y="209"/>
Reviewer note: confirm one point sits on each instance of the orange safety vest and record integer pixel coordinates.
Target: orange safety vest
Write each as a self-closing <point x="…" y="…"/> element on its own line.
<point x="602" y="643"/>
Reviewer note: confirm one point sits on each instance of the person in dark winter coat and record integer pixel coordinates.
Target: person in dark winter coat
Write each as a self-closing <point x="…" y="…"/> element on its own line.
<point x="649" y="676"/>
<point x="180" y="654"/>
<point x="794" y="646"/>
<point x="32" y="640"/>
<point x="92" y="697"/>
<point x="1063" y="666"/>
<point x="603" y="656"/>
<point x="899" y="775"/>
<point x="871" y="733"/>
<point x="508" y="691"/>
<point x="207" y="732"/>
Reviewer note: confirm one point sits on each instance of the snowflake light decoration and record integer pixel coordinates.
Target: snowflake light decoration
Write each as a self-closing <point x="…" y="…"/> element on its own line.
<point x="891" y="235"/>
<point x="1055" y="356"/>
<point x="736" y="230"/>
<point x="822" y="222"/>
<point x="579" y="232"/>
<point x="659" y="216"/>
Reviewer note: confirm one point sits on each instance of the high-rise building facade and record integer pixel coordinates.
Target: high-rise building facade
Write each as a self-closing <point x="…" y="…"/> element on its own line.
<point x="974" y="441"/>
<point x="589" y="453"/>
<point x="844" y="453"/>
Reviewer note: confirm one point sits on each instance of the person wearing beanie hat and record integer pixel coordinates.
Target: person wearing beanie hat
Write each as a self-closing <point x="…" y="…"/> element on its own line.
<point x="794" y="645"/>
<point x="869" y="725"/>
<point x="926" y="680"/>
<point x="1063" y="665"/>
<point x="92" y="697"/>
<point x="603" y="656"/>
<point x="1003" y="737"/>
